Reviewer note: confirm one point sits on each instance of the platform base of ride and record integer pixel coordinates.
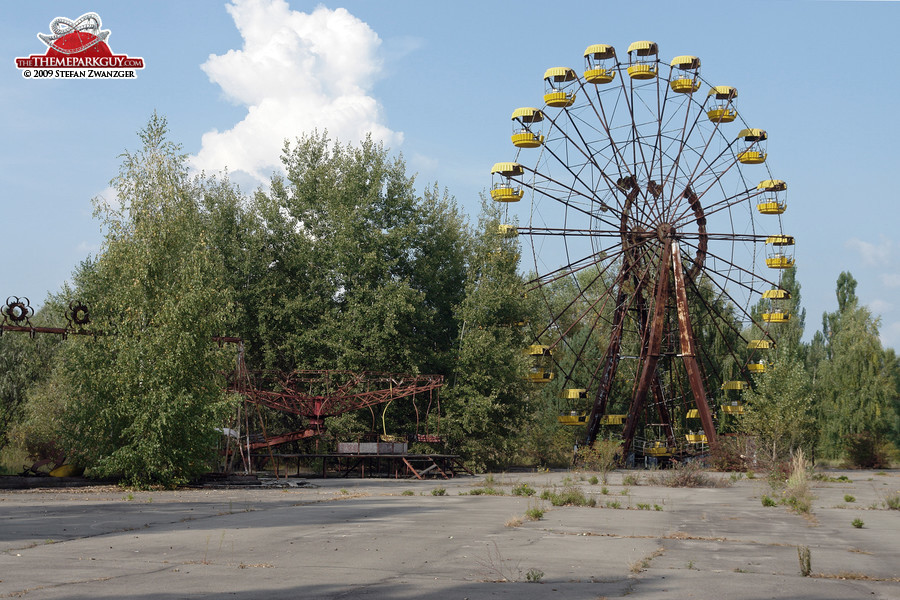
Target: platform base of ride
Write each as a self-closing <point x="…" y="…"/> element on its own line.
<point x="362" y="465"/>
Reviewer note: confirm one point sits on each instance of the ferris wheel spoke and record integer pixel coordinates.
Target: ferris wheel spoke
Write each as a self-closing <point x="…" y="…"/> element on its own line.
<point x="573" y="268"/>
<point x="734" y="266"/>
<point x="546" y="193"/>
<point x="567" y="166"/>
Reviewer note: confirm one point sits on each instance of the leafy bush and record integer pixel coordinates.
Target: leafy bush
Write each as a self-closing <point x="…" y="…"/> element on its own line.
<point x="601" y="456"/>
<point x="569" y="496"/>
<point x="858" y="523"/>
<point x="689" y="474"/>
<point x="849" y="498"/>
<point x="868" y="451"/>
<point x="534" y="513"/>
<point x="768" y="501"/>
<point x="523" y="490"/>
<point x="439" y="491"/>
<point x="486" y="491"/>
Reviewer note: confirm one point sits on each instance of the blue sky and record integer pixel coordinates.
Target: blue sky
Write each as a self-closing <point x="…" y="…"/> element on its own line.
<point x="437" y="82"/>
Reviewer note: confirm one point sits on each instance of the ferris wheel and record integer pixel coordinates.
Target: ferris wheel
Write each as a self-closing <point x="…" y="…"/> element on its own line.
<point x="654" y="227"/>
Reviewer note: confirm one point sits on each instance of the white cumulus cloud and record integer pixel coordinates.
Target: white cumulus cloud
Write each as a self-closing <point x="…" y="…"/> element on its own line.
<point x="296" y="72"/>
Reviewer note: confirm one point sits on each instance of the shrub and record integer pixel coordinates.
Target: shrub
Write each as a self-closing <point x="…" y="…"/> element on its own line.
<point x="849" y="498"/>
<point x="407" y="493"/>
<point x="569" y="496"/>
<point x="523" y="490"/>
<point x="893" y="502"/>
<point x="601" y="456"/>
<point x="631" y="479"/>
<point x="868" y="451"/>
<point x="438" y="491"/>
<point x="486" y="491"/>
<point x="797" y="492"/>
<point x="767" y="501"/>
<point x="805" y="560"/>
<point x="593" y="480"/>
<point x="534" y="513"/>
<point x="689" y="474"/>
<point x="858" y="523"/>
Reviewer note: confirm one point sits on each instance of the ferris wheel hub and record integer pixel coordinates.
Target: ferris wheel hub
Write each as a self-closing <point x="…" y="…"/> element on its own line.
<point x="665" y="232"/>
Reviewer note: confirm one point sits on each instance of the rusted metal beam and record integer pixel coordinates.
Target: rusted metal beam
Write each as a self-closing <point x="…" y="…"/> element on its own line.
<point x="688" y="350"/>
<point x="650" y="353"/>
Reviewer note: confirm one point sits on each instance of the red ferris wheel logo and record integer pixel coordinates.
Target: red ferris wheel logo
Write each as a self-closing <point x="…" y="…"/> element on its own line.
<point x="78" y="49"/>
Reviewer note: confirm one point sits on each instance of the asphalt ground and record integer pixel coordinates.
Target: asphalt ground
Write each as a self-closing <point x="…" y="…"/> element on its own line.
<point x="394" y="539"/>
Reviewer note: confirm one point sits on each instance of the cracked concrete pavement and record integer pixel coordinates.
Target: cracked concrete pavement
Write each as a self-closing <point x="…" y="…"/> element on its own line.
<point x="394" y="539"/>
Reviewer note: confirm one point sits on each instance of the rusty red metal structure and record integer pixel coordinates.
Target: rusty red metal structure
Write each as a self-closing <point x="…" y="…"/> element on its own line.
<point x="16" y="313"/>
<point x="318" y="394"/>
<point x="647" y="242"/>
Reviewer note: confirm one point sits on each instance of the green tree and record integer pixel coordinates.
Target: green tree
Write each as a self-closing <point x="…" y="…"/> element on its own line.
<point x="362" y="273"/>
<point x="490" y="399"/>
<point x="780" y="410"/>
<point x="146" y="396"/>
<point x="855" y="385"/>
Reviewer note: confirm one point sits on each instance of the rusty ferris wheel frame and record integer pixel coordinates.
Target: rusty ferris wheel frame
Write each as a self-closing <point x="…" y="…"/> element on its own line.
<point x="644" y="198"/>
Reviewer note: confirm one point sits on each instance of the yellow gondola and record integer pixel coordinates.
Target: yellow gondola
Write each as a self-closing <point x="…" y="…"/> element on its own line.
<point x="734" y="385"/>
<point x="773" y="202"/>
<point x="757" y="367"/>
<point x="687" y="78"/>
<point x="599" y="64"/>
<point x="572" y="417"/>
<point x="538" y="350"/>
<point x="540" y="375"/>
<point x="693" y="414"/>
<point x="776" y="316"/>
<point x="722" y="109"/>
<point x="612" y="419"/>
<point x="657" y="448"/>
<point x="760" y="344"/>
<point x="642" y="60"/>
<point x="557" y="79"/>
<point x="507" y="231"/>
<point x="776" y="294"/>
<point x="778" y="255"/>
<point x="525" y="133"/>
<point x="503" y="188"/>
<point x="696" y="438"/>
<point x="573" y="394"/>
<point x="754" y="150"/>
<point x="733" y="408"/>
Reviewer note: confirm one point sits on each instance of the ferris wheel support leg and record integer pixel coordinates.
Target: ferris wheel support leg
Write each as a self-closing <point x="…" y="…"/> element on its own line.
<point x="651" y="354"/>
<point x="688" y="353"/>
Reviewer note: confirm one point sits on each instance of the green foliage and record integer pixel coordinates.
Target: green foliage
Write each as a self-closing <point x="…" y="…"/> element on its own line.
<point x="849" y="498"/>
<point x="768" y="501"/>
<point x="601" y="456"/>
<point x="534" y="576"/>
<point x="858" y="523"/>
<point x="855" y="387"/>
<point x="868" y="451"/>
<point x="523" y="490"/>
<point x="892" y="502"/>
<point x="534" y="513"/>
<point x="490" y="398"/>
<point x="779" y="410"/>
<point x="439" y="491"/>
<point x="145" y="397"/>
<point x="486" y="491"/>
<point x="568" y="496"/>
